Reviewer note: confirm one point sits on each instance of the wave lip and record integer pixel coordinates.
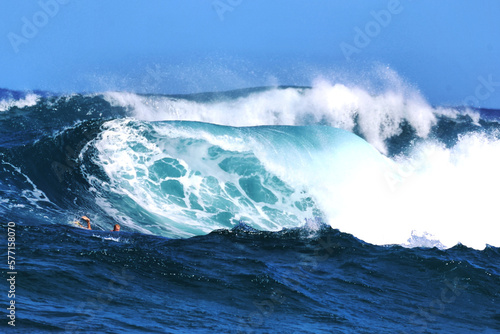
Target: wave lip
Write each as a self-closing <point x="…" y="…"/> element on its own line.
<point x="376" y="116"/>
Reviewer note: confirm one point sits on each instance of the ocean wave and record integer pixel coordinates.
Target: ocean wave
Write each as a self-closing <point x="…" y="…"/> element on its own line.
<point x="420" y="176"/>
<point x="191" y="178"/>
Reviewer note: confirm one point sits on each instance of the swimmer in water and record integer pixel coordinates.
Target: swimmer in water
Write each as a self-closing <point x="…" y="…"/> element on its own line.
<point x="116" y="227"/>
<point x="85" y="218"/>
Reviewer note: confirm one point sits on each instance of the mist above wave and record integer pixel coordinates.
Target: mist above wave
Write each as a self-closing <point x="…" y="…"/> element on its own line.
<point x="376" y="114"/>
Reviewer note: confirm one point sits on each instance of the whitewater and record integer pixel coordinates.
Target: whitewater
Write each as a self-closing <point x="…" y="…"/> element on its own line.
<point x="424" y="187"/>
<point x="381" y="164"/>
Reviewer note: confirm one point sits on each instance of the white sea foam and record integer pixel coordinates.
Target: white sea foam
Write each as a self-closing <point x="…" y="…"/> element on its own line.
<point x="110" y="238"/>
<point x="451" y="193"/>
<point x="28" y="101"/>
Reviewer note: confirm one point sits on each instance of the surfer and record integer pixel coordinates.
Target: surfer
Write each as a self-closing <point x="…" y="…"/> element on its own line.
<point x="116" y="228"/>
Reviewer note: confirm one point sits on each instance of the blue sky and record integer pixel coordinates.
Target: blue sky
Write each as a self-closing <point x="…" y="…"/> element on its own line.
<point x="449" y="49"/>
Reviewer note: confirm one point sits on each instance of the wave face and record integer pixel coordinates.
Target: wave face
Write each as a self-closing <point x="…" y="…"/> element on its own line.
<point x="382" y="165"/>
<point x="192" y="178"/>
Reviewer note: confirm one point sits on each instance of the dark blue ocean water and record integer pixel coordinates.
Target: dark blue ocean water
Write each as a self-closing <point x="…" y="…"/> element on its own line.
<point x="243" y="212"/>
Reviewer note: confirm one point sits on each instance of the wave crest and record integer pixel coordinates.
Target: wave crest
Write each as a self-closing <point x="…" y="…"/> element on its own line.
<point x="377" y="116"/>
